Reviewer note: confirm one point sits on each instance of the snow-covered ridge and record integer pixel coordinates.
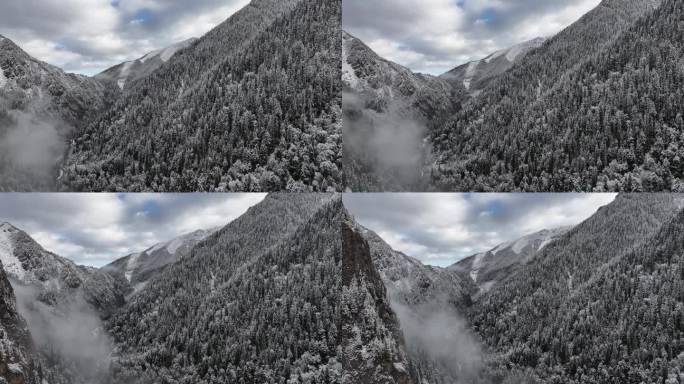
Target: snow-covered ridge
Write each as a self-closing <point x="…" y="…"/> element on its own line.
<point x="139" y="267"/>
<point x="492" y="65"/>
<point x="128" y="71"/>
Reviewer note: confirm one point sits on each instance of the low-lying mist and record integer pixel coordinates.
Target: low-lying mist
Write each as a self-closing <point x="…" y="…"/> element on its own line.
<point x="69" y="331"/>
<point x="386" y="146"/>
<point x="436" y="332"/>
<point x="31" y="147"/>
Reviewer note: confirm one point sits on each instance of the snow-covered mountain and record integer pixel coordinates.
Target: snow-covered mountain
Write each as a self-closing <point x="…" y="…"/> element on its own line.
<point x="57" y="279"/>
<point x="387" y="109"/>
<point x="139" y="268"/>
<point x="40" y="106"/>
<point x="30" y="85"/>
<point x="475" y="74"/>
<point x="422" y="297"/>
<point x="126" y="73"/>
<point x="410" y="281"/>
<point x="488" y="268"/>
<point x="384" y="84"/>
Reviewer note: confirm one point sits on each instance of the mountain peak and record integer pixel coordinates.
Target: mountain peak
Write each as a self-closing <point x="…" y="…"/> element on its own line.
<point x="128" y="72"/>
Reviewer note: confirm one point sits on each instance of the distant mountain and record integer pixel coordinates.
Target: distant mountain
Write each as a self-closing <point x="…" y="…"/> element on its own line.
<point x="129" y="72"/>
<point x="253" y="105"/>
<point x="475" y="74"/>
<point x="139" y="268"/>
<point x="488" y="268"/>
<point x="40" y="106"/>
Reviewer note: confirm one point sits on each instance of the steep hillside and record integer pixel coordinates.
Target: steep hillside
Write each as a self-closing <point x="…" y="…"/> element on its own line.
<point x="256" y="302"/>
<point x="40" y="106"/>
<point x="16" y="347"/>
<point x="127" y="73"/>
<point x="595" y="108"/>
<point x="254" y="105"/>
<point x="371" y="339"/>
<point x="429" y="303"/>
<point x="56" y="279"/>
<point x="476" y="74"/>
<point x="544" y="316"/>
<point x="386" y="111"/>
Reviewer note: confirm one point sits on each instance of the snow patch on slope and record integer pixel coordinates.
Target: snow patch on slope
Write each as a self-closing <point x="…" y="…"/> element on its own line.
<point x="3" y="79"/>
<point x="477" y="263"/>
<point x="131" y="266"/>
<point x="521" y="244"/>
<point x="348" y="74"/>
<point x="10" y="263"/>
<point x="470" y="73"/>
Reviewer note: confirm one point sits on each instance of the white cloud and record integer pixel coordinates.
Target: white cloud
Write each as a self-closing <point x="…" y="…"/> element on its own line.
<point x="441" y="229"/>
<point x="436" y="35"/>
<point x="95" y="229"/>
<point x="88" y="36"/>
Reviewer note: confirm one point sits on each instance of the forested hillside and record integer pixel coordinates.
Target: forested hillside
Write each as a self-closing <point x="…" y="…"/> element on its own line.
<point x="603" y="303"/>
<point x="598" y="107"/>
<point x="256" y="302"/>
<point x="254" y="105"/>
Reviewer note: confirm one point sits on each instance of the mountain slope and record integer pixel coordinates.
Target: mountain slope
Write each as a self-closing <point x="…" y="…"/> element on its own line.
<point x="139" y="268"/>
<point x="57" y="279"/>
<point x="429" y="302"/>
<point x="568" y="116"/>
<point x="371" y="338"/>
<point x="127" y="73"/>
<point x="256" y="302"/>
<point x="16" y="347"/>
<point x="520" y="318"/>
<point x="40" y="106"/>
<point x="476" y="74"/>
<point x="488" y="268"/>
<point x="386" y="109"/>
<point x="254" y="105"/>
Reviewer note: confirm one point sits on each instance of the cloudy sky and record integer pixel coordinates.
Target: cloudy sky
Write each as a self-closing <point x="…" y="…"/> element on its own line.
<point x="88" y="36"/>
<point x="433" y="36"/>
<point x="440" y="229"/>
<point x="94" y="229"/>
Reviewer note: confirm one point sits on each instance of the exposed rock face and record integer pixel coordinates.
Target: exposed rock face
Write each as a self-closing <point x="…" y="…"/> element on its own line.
<point x="372" y="342"/>
<point x="15" y="341"/>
